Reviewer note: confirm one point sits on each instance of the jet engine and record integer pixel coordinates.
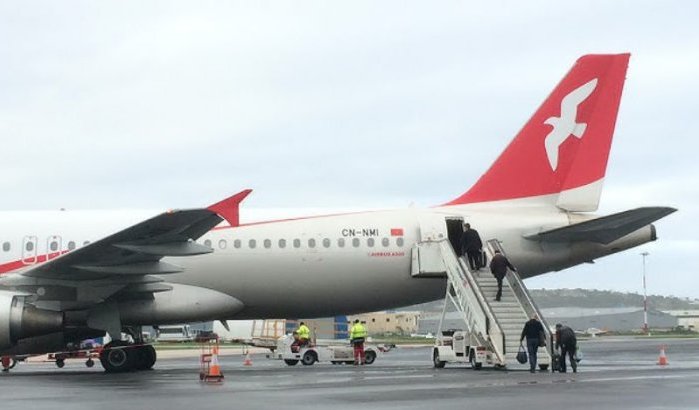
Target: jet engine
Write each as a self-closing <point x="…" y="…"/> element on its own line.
<point x="19" y="320"/>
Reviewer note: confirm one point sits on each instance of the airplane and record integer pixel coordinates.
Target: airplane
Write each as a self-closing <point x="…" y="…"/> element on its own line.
<point x="66" y="276"/>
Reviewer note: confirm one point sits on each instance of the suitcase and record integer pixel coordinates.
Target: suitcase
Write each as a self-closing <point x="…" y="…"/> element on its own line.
<point x="483" y="262"/>
<point x="556" y="363"/>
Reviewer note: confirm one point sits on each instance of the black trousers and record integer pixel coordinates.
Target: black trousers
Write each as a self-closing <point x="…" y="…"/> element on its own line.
<point x="499" y="294"/>
<point x="532" y="349"/>
<point x="568" y="350"/>
<point x="474" y="259"/>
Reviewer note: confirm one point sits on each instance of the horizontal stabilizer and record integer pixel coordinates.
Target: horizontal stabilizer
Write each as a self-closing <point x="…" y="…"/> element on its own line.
<point x="147" y="288"/>
<point x="606" y="229"/>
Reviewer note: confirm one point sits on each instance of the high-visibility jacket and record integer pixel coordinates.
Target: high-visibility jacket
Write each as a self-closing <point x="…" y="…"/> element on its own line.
<point x="358" y="331"/>
<point x="304" y="332"/>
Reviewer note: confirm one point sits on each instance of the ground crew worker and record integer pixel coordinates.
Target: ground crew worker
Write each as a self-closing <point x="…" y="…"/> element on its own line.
<point x="358" y="334"/>
<point x="304" y="334"/>
<point x="567" y="342"/>
<point x="498" y="267"/>
<point x="472" y="246"/>
<point x="533" y="331"/>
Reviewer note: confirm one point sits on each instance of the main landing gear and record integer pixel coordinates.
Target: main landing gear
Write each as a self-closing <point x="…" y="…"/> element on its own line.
<point x="119" y="356"/>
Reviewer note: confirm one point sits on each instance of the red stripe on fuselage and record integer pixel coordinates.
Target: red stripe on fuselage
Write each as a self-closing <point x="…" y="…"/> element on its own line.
<point x="19" y="264"/>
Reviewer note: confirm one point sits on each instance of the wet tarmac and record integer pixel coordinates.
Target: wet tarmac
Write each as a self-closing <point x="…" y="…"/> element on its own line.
<point x="615" y="374"/>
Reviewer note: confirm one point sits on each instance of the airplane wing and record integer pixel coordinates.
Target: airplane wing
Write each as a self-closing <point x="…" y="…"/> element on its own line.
<point x="127" y="260"/>
<point x="606" y="229"/>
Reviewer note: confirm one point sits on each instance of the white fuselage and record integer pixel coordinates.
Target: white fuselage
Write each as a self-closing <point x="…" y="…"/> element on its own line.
<point x="315" y="266"/>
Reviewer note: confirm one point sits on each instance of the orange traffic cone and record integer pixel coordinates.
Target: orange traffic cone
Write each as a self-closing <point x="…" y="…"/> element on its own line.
<point x="215" y="374"/>
<point x="248" y="360"/>
<point x="662" y="359"/>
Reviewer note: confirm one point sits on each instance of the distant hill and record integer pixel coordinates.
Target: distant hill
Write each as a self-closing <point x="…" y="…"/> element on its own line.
<point x="585" y="298"/>
<point x="591" y="298"/>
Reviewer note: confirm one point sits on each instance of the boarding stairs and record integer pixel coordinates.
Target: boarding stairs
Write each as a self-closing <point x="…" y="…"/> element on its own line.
<point x="513" y="310"/>
<point x="495" y="325"/>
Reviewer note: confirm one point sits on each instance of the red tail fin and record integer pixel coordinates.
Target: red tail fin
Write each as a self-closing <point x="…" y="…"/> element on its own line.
<point x="564" y="147"/>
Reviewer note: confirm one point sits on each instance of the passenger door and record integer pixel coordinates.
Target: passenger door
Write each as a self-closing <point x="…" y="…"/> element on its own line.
<point x="53" y="247"/>
<point x="426" y="254"/>
<point x="29" y="250"/>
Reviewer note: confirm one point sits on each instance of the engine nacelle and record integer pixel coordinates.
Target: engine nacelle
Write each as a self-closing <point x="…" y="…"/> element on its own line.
<point x="19" y="320"/>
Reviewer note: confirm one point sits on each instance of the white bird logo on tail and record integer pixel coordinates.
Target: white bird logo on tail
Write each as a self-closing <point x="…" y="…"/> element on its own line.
<point x="565" y="125"/>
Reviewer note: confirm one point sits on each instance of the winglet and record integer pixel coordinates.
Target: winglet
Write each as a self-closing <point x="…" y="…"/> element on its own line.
<point x="229" y="208"/>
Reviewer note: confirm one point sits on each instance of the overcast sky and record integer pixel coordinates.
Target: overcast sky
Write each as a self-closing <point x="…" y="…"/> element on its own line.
<point x="146" y="104"/>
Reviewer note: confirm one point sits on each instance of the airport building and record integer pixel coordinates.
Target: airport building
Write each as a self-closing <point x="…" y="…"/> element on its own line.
<point x="686" y="319"/>
<point x="396" y="323"/>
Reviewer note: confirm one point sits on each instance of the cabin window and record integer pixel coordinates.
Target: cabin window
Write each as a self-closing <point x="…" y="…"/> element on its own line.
<point x="267" y="243"/>
<point x="71" y="245"/>
<point x="399" y="242"/>
<point x="282" y="243"/>
<point x="237" y="243"/>
<point x="297" y="243"/>
<point x="385" y="242"/>
<point x="6" y="246"/>
<point x="252" y="243"/>
<point x="86" y="243"/>
<point x="222" y="244"/>
<point x="370" y="242"/>
<point x="326" y="243"/>
<point x="311" y="243"/>
<point x="29" y="246"/>
<point x="355" y="242"/>
<point x="341" y="242"/>
<point x="207" y="243"/>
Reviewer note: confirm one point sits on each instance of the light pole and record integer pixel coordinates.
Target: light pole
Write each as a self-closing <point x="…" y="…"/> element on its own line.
<point x="645" y="296"/>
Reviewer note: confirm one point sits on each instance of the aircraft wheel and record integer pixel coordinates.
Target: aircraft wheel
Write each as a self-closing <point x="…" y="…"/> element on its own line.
<point x="309" y="358"/>
<point x="90" y="363"/>
<point x="117" y="357"/>
<point x="369" y="357"/>
<point x="349" y="361"/>
<point x="438" y="364"/>
<point x="291" y="362"/>
<point x="543" y="367"/>
<point x="145" y="357"/>
<point x="60" y="363"/>
<point x="8" y="363"/>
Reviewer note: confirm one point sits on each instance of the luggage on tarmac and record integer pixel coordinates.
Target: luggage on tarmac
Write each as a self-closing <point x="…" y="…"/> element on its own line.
<point x="578" y="354"/>
<point x="556" y="363"/>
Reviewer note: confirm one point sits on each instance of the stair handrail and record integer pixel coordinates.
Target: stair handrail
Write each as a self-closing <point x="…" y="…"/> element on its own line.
<point x="495" y="334"/>
<point x="523" y="295"/>
<point x="452" y="266"/>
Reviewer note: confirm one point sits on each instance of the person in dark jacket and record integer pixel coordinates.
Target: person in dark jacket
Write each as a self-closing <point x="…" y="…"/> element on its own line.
<point x="498" y="267"/>
<point x="532" y="331"/>
<point x="568" y="343"/>
<point x="471" y="246"/>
